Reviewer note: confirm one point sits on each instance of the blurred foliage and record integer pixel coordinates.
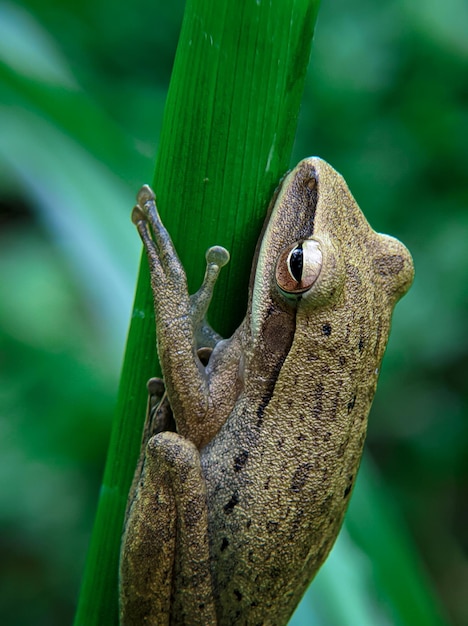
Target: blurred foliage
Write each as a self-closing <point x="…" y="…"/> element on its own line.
<point x="386" y="104"/>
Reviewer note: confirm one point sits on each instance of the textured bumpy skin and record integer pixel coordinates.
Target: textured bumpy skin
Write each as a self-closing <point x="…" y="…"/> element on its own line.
<point x="230" y="529"/>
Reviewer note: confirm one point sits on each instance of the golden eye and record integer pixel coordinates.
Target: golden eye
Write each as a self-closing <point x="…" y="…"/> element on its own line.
<point x="298" y="267"/>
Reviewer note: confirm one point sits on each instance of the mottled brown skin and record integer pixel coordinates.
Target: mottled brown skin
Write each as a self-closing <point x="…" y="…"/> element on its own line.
<point x="231" y="521"/>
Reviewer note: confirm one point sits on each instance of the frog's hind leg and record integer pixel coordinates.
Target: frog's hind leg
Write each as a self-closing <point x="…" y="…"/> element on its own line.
<point x="165" y="563"/>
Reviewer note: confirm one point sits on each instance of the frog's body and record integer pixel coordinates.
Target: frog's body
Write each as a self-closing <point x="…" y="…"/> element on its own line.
<point x="236" y="517"/>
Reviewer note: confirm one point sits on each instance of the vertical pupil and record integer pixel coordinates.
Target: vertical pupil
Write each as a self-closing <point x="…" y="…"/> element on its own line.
<point x="296" y="263"/>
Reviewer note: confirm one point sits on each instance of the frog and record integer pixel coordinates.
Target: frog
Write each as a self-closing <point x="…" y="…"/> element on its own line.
<point x="252" y="443"/>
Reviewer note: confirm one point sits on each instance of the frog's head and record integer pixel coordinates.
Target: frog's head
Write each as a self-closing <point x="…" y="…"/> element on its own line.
<point x="316" y="238"/>
<point x="334" y="241"/>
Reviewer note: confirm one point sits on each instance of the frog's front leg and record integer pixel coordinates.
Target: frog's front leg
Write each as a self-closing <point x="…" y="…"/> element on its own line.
<point x="165" y="568"/>
<point x="180" y="320"/>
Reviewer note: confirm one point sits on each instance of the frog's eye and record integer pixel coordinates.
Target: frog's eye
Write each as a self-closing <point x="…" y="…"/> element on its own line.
<point x="298" y="267"/>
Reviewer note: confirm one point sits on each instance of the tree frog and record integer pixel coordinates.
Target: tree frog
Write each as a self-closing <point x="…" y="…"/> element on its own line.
<point x="252" y="443"/>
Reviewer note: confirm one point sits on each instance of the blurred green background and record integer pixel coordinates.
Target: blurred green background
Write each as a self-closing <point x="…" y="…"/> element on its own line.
<point x="82" y="90"/>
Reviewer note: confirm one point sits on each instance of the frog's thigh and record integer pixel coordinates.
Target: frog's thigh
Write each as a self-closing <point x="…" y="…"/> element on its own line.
<point x="168" y="528"/>
<point x="148" y="546"/>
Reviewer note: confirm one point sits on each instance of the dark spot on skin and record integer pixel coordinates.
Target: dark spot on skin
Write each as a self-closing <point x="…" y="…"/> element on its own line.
<point x="261" y="409"/>
<point x="300" y="477"/>
<point x="241" y="460"/>
<point x="224" y="544"/>
<point x="342" y="448"/>
<point x="347" y="491"/>
<point x="272" y="526"/>
<point x="229" y="507"/>
<point x="238" y="594"/>
<point x="267" y="483"/>
<point x="254" y="603"/>
<point x="348" y="331"/>
<point x="326" y="330"/>
<point x="248" y="523"/>
<point x="389" y="265"/>
<point x="301" y="437"/>
<point x="361" y="344"/>
<point x="201" y="606"/>
<point x="351" y="404"/>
